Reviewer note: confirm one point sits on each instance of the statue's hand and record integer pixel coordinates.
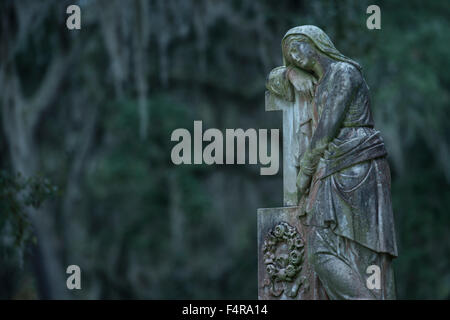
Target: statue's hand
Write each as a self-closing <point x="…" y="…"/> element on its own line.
<point x="303" y="182"/>
<point x="302" y="81"/>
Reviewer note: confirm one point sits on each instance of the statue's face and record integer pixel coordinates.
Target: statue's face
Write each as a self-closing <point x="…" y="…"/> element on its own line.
<point x="301" y="53"/>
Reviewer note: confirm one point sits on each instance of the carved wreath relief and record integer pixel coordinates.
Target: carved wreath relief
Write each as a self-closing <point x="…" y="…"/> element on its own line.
<point x="283" y="251"/>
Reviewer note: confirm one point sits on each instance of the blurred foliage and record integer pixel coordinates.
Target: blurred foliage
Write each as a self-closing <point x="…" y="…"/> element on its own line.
<point x="131" y="178"/>
<point x="141" y="227"/>
<point x="17" y="193"/>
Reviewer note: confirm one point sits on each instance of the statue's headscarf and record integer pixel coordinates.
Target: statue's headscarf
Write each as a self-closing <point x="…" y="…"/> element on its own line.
<point x="322" y="42"/>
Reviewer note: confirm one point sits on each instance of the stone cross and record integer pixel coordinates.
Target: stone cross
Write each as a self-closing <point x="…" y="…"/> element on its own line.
<point x="294" y="140"/>
<point x="283" y="270"/>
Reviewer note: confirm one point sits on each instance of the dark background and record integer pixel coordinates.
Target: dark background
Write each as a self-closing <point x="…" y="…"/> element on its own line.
<point x="86" y="117"/>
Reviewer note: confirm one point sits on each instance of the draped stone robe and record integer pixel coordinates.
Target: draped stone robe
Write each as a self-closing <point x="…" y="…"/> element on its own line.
<point x="350" y="191"/>
<point x="349" y="210"/>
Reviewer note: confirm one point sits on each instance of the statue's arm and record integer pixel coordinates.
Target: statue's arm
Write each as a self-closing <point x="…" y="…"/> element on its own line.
<point x="282" y="81"/>
<point x="344" y="84"/>
<point x="302" y="81"/>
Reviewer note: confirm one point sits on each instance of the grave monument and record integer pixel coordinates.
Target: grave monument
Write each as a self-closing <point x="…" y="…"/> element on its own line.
<point x="334" y="236"/>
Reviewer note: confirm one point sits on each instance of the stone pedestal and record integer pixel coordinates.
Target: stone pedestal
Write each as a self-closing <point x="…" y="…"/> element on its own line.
<point x="283" y="269"/>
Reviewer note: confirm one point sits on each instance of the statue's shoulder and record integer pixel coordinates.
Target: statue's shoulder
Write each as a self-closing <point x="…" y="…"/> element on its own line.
<point x="347" y="73"/>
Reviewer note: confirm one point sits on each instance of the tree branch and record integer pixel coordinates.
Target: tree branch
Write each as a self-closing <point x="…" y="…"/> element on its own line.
<point x="47" y="91"/>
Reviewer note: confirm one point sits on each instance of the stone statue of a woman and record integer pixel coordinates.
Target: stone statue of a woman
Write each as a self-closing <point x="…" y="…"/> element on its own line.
<point x="343" y="174"/>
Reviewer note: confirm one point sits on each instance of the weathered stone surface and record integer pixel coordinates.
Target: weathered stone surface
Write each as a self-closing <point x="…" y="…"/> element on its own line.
<point x="337" y="222"/>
